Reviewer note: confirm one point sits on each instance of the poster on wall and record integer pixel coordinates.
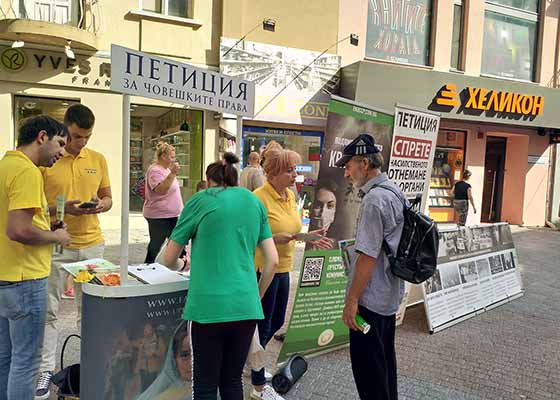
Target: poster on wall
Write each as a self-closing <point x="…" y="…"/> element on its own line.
<point x="316" y="322"/>
<point x="272" y="68"/>
<point x="477" y="269"/>
<point x="399" y="31"/>
<point x="144" y="348"/>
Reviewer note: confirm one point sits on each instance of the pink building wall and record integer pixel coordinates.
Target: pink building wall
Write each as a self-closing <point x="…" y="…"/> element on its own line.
<point x="525" y="185"/>
<point x="534" y="210"/>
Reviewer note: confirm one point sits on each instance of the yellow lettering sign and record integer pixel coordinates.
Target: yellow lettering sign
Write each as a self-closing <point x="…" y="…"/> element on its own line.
<point x="448" y="96"/>
<point x="490" y="100"/>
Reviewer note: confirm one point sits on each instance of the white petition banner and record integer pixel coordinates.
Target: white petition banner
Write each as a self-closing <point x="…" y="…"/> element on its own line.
<point x="412" y="152"/>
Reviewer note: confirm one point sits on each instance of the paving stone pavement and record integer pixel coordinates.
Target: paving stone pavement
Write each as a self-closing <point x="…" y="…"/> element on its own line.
<point x="509" y="353"/>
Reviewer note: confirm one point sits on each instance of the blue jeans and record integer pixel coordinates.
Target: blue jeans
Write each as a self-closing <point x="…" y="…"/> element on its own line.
<point x="274" y="304"/>
<point x="23" y="309"/>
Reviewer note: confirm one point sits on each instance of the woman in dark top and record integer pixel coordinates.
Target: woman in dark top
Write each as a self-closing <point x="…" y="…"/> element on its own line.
<point x="462" y="195"/>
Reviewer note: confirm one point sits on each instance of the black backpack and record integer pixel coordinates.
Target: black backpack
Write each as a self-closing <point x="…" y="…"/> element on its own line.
<point x="416" y="258"/>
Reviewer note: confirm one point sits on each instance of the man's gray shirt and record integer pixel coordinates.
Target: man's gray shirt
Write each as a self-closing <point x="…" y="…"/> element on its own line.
<point x="380" y="216"/>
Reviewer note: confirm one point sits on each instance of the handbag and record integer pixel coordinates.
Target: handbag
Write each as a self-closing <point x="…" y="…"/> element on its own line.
<point x="67" y="379"/>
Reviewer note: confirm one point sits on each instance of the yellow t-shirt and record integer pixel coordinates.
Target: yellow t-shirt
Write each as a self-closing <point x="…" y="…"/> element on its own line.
<point x="282" y="217"/>
<point x="21" y="187"/>
<point x="78" y="178"/>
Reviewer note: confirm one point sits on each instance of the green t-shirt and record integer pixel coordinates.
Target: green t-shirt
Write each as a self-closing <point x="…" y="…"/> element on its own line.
<point x="225" y="226"/>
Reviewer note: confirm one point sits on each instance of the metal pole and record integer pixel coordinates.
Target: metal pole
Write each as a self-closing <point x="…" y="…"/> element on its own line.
<point x="239" y="140"/>
<point x="125" y="186"/>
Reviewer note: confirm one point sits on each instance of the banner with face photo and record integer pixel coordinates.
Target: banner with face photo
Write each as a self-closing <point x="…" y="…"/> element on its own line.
<point x="316" y="321"/>
<point x="477" y="269"/>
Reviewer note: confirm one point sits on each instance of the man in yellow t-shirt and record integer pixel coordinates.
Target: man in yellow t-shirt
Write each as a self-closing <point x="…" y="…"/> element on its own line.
<point x="25" y="246"/>
<point x="82" y="177"/>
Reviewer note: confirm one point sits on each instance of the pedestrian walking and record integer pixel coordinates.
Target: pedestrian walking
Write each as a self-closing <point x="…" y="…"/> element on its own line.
<point x="26" y="248"/>
<point x="226" y="224"/>
<point x="373" y="292"/>
<point x="462" y="195"/>
<point x="81" y="176"/>
<point x="285" y="223"/>
<point x="252" y="176"/>
<point x="163" y="202"/>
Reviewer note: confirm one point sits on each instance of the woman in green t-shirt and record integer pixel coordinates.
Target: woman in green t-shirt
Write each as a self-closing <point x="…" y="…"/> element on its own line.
<point x="226" y="224"/>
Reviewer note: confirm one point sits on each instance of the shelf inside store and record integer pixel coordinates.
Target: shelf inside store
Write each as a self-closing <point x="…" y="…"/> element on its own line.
<point x="170" y="135"/>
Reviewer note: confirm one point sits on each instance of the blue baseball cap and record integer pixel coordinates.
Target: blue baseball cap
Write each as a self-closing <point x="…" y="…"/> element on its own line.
<point x="362" y="145"/>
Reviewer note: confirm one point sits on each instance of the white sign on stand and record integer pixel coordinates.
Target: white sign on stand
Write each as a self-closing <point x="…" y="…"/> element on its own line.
<point x="142" y="74"/>
<point x="477" y="270"/>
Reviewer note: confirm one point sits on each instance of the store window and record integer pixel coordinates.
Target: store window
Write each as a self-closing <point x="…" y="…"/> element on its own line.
<point x="399" y="31"/>
<point x="457" y="37"/>
<point x="510" y="39"/>
<point x="447" y="169"/>
<point x="25" y="107"/>
<point x="174" y="8"/>
<point x="182" y="129"/>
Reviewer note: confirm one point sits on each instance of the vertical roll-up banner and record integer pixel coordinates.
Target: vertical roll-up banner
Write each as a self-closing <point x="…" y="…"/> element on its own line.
<point x="410" y="165"/>
<point x="316" y="321"/>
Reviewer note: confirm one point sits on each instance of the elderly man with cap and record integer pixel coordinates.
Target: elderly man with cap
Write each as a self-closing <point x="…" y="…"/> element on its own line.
<point x="373" y="292"/>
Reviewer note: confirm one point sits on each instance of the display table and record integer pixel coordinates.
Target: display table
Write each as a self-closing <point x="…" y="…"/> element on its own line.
<point x="126" y="334"/>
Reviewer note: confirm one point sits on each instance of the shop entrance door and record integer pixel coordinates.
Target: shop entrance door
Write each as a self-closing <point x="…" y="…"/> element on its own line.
<point x="493" y="179"/>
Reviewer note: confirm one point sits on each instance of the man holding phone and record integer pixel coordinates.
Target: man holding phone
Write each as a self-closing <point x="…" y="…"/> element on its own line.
<point x="82" y="177"/>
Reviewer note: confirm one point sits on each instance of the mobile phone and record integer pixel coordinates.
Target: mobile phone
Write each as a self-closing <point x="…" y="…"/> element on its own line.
<point x="88" y="204"/>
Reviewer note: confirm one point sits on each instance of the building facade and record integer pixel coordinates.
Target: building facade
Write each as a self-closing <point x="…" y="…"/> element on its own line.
<point x="489" y="67"/>
<point x="39" y="75"/>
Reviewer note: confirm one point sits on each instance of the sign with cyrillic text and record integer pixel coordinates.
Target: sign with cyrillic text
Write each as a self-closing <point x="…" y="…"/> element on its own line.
<point x="141" y="74"/>
<point x="412" y="153"/>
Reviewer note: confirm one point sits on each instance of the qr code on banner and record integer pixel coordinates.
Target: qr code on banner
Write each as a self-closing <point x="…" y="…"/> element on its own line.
<point x="312" y="270"/>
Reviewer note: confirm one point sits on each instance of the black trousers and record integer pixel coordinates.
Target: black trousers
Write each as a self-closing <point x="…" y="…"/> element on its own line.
<point x="374" y="362"/>
<point x="160" y="229"/>
<point x="219" y="354"/>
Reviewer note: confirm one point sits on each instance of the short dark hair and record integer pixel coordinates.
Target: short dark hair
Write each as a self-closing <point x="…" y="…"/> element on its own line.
<point x="223" y="172"/>
<point x="30" y="128"/>
<point x="80" y="115"/>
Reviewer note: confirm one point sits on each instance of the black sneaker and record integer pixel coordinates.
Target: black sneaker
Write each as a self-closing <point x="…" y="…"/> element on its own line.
<point x="43" y="385"/>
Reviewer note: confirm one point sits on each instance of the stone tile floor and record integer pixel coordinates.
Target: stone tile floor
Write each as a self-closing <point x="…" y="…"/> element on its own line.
<point x="511" y="352"/>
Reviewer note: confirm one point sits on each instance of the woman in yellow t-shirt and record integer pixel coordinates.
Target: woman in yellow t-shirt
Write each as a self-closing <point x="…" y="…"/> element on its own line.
<point x="285" y="224"/>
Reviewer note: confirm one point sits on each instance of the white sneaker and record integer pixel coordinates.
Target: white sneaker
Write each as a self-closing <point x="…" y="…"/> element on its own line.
<point x="267" y="376"/>
<point x="268" y="393"/>
<point x="42" y="391"/>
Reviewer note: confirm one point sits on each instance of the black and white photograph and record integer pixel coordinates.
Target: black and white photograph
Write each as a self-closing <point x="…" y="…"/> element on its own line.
<point x="507" y="261"/>
<point x="468" y="272"/>
<point x="433" y="284"/>
<point x="449" y="275"/>
<point x="483" y="268"/>
<point x="495" y="264"/>
<point x="505" y="234"/>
